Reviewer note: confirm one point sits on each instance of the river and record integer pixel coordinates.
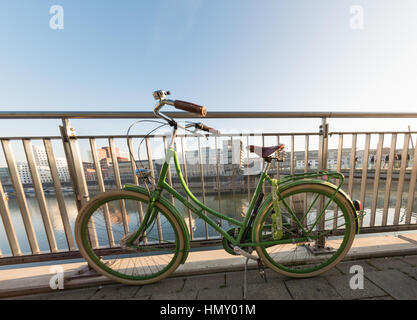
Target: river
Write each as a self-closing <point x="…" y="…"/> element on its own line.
<point x="231" y="205"/>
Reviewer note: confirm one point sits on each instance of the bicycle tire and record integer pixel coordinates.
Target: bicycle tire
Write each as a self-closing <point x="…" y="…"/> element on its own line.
<point x="92" y="255"/>
<point x="280" y="263"/>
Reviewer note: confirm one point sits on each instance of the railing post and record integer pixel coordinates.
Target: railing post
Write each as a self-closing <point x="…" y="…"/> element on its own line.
<point x="323" y="132"/>
<point x="75" y="166"/>
<point x="323" y="144"/>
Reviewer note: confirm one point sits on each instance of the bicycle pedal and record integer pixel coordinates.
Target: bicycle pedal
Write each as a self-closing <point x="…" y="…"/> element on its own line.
<point x="261" y="269"/>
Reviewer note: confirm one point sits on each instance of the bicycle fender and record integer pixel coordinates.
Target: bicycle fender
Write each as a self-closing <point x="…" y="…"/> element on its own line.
<point x="282" y="188"/>
<point x="174" y="211"/>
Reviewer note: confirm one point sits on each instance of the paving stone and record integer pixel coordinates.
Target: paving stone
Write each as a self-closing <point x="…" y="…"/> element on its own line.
<point x="138" y="297"/>
<point x="212" y="281"/>
<point x="271" y="274"/>
<point x="116" y="292"/>
<point x="184" y="295"/>
<point x="395" y="283"/>
<point x="412" y="260"/>
<point x="169" y="285"/>
<point x="252" y="276"/>
<point x="74" y="294"/>
<point x="342" y="286"/>
<point x="312" y="289"/>
<point x="332" y="272"/>
<point x="388" y="263"/>
<point x="271" y="290"/>
<point x="229" y="293"/>
<point x="410" y="271"/>
<point x="345" y="266"/>
<point x="379" y="298"/>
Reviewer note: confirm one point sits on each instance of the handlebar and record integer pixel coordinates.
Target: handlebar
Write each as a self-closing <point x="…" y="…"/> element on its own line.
<point x="182" y="105"/>
<point x="190" y="107"/>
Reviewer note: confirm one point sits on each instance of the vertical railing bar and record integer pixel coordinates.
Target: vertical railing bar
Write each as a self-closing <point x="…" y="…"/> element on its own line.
<point x="364" y="173"/>
<point x="388" y="179"/>
<point x="411" y="189"/>
<point x="306" y="154"/>
<point x="233" y="177"/>
<point x="378" y="162"/>
<point x="136" y="181"/>
<point x="292" y="156"/>
<point x="190" y="218"/>
<point x="40" y="197"/>
<point x="263" y="145"/>
<point x="71" y="167"/>
<point x="277" y="163"/>
<point x="338" y="169"/>
<point x="8" y="224"/>
<point x="306" y="149"/>
<point x="203" y="189"/>
<point x="153" y="177"/>
<point x="352" y="164"/>
<point x="134" y="175"/>
<point x="150" y="160"/>
<point x="401" y="178"/>
<point x="263" y="162"/>
<point x="100" y="182"/>
<point x="218" y="175"/>
<point x="118" y="181"/>
<point x="59" y="194"/>
<point x="320" y="153"/>
<point x="247" y="165"/>
<point x="169" y="175"/>
<point x="21" y="198"/>
<point x="339" y="154"/>
<point x="325" y="146"/>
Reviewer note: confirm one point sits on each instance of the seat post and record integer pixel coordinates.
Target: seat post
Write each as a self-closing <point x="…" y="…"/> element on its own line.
<point x="268" y="164"/>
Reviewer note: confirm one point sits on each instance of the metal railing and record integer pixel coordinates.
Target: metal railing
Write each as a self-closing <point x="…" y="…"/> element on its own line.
<point x="389" y="200"/>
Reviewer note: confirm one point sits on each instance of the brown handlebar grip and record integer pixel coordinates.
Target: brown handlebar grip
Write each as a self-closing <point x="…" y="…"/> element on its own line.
<point x="190" y="107"/>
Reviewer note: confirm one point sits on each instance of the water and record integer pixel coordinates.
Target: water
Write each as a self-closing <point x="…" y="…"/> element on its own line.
<point x="231" y="205"/>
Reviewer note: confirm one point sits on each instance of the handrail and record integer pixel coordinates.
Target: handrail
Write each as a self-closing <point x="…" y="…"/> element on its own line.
<point x="186" y="115"/>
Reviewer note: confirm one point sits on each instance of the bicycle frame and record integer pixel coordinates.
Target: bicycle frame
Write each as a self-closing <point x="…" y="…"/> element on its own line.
<point x="200" y="208"/>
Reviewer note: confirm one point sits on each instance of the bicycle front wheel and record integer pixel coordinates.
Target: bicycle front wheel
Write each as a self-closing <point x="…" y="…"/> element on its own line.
<point x="329" y="220"/>
<point x="107" y="220"/>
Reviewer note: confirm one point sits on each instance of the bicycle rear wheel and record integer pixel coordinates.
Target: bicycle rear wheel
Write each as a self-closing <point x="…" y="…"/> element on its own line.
<point x="105" y="222"/>
<point x="336" y="227"/>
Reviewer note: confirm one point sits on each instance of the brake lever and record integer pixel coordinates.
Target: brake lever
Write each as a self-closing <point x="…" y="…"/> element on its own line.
<point x="196" y="133"/>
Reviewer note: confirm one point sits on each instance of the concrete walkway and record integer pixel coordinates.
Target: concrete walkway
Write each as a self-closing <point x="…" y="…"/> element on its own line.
<point x="384" y="279"/>
<point x="210" y="275"/>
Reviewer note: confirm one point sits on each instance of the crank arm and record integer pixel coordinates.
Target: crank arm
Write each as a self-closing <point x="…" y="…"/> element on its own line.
<point x="239" y="251"/>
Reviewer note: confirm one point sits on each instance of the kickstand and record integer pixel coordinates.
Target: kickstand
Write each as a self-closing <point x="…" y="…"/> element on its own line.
<point x="245" y="279"/>
<point x="261" y="267"/>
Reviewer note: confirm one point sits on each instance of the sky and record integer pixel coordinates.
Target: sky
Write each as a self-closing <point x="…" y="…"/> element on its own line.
<point x="234" y="55"/>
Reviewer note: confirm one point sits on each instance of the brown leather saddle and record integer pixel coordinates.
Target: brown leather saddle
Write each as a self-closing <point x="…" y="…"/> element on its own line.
<point x="265" y="152"/>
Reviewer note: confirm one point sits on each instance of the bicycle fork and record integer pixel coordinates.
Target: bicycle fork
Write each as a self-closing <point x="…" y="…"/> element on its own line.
<point x="139" y="234"/>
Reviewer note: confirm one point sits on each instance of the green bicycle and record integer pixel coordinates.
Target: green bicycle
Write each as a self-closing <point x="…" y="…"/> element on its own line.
<point x="136" y="236"/>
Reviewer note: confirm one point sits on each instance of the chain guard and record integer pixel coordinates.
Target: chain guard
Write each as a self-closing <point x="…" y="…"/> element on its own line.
<point x="227" y="246"/>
